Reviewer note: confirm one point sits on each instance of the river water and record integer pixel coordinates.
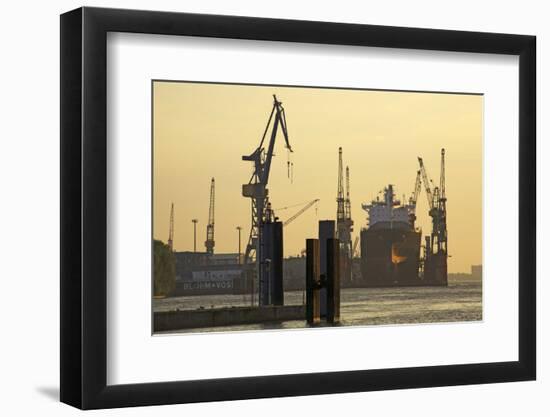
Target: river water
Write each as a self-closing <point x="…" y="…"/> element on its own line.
<point x="460" y="301"/>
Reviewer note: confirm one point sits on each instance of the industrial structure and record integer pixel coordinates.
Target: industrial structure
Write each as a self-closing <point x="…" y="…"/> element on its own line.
<point x="391" y="243"/>
<point x="388" y="252"/>
<point x="194" y="221"/>
<point x="264" y="251"/>
<point x="259" y="271"/>
<point x="209" y="242"/>
<point x="435" y="249"/>
<point x="239" y="228"/>
<point x="171" y="229"/>
<point x="344" y="223"/>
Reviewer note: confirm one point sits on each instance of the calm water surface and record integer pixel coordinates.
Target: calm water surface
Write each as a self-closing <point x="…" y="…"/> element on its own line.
<point x="460" y="301"/>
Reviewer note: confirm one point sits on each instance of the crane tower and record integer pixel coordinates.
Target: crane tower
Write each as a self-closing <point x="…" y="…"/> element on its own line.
<point x="344" y="223"/>
<point x="209" y="243"/>
<point x="435" y="262"/>
<point x="256" y="188"/>
<point x="340" y="200"/>
<point x="259" y="250"/>
<point x="171" y="229"/>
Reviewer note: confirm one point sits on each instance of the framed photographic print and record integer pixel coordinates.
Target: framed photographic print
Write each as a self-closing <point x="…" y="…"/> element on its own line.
<point x="257" y="207"/>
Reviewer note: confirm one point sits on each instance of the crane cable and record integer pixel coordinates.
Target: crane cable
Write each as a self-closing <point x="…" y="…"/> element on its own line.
<point x="293" y="205"/>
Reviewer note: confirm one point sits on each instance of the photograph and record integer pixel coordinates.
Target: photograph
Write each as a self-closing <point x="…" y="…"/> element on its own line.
<point x="293" y="207"/>
<point x="260" y="206"/>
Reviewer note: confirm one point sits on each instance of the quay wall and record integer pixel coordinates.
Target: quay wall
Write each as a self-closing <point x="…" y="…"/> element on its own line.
<point x="189" y="319"/>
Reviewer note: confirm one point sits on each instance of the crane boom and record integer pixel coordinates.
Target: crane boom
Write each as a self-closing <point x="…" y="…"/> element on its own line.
<point x="414" y="198"/>
<point x="300" y="212"/>
<point x="417" y="187"/>
<point x="427" y="181"/>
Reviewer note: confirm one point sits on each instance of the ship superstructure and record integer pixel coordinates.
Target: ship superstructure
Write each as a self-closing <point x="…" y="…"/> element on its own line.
<point x="389" y="212"/>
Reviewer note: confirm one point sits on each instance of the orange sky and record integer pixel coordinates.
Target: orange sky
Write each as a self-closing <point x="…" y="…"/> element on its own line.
<point x="202" y="130"/>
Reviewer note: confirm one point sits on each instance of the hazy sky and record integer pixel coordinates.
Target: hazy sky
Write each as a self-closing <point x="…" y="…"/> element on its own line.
<point x="202" y="130"/>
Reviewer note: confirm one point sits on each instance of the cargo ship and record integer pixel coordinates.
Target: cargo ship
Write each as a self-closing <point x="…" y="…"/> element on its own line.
<point x="390" y="244"/>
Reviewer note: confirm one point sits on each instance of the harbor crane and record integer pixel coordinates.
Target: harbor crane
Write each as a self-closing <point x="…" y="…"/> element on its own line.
<point x="256" y="188"/>
<point x="442" y="207"/>
<point x="209" y="243"/>
<point x="437" y="202"/>
<point x="344" y="223"/>
<point x="171" y="229"/>
<point x="340" y="201"/>
<point x="347" y="208"/>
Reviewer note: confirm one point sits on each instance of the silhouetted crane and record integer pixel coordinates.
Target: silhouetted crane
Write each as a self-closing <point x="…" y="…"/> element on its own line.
<point x="256" y="188"/>
<point x="171" y="229"/>
<point x="437" y="202"/>
<point x="344" y="223"/>
<point x="209" y="243"/>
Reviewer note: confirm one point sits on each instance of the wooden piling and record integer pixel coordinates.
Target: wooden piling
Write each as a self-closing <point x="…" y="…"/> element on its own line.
<point x="313" y="312"/>
<point x="333" y="280"/>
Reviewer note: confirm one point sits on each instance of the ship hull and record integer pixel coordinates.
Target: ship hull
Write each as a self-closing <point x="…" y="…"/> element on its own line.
<point x="390" y="258"/>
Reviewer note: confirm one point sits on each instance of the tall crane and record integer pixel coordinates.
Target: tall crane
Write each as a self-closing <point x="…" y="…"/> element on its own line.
<point x="209" y="243"/>
<point x="171" y="229"/>
<point x="343" y="220"/>
<point x="437" y="202"/>
<point x="347" y="216"/>
<point x="256" y="189"/>
<point x="442" y="208"/>
<point x="347" y="207"/>
<point x="300" y="212"/>
<point x="340" y="200"/>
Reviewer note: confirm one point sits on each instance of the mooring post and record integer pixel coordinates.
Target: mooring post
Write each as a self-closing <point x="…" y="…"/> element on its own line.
<point x="333" y="280"/>
<point x="326" y="231"/>
<point x="313" y="313"/>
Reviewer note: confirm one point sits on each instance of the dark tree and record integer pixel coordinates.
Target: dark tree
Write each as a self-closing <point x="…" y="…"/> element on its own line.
<point x="164" y="269"/>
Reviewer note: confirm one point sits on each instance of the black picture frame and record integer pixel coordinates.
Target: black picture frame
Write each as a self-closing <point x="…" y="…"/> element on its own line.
<point x="84" y="207"/>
